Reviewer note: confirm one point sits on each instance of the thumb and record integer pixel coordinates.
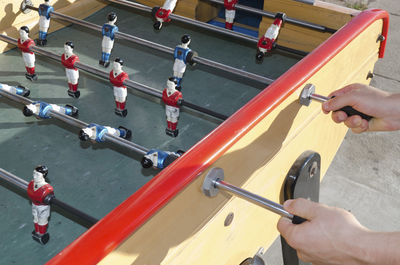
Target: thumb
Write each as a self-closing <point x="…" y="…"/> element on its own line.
<point x="338" y="102"/>
<point x="301" y="207"/>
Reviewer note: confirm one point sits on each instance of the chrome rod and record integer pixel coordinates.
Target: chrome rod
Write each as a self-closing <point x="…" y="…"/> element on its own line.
<point x="254" y="198"/>
<point x="162" y="48"/>
<point x="11" y="178"/>
<point x="214" y="181"/>
<point x="206" y="26"/>
<point x="129" y="83"/>
<point x="79" y="124"/>
<point x="272" y="15"/>
<point x="319" y="98"/>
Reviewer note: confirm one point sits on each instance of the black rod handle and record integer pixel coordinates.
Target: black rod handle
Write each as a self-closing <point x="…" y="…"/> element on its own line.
<point x="350" y="111"/>
<point x="298" y="220"/>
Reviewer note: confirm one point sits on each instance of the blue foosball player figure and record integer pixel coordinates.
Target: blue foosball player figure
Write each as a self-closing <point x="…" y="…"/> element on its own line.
<point x="96" y="132"/>
<point x="18" y="90"/>
<point x="41" y="110"/>
<point x="44" y="22"/>
<point x="108" y="31"/>
<point x="183" y="55"/>
<point x="160" y="159"/>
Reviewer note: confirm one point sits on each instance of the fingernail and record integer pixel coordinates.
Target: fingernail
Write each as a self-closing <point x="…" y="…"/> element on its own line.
<point x="287" y="203"/>
<point x="325" y="106"/>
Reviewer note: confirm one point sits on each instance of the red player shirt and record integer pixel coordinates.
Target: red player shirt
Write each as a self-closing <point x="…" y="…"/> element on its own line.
<point x="37" y="196"/>
<point x="171" y="100"/>
<point x="70" y="62"/>
<point x="163" y="14"/>
<point x="265" y="43"/>
<point x="230" y="5"/>
<point x="118" y="81"/>
<point x="24" y="47"/>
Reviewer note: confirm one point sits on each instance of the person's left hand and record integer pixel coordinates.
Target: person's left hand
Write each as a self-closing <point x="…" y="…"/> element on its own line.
<point x="330" y="236"/>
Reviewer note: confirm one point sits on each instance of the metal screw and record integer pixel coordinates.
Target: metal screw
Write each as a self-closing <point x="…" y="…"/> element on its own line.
<point x="370" y="75"/>
<point x="313" y="169"/>
<point x="228" y="219"/>
<point x="380" y="38"/>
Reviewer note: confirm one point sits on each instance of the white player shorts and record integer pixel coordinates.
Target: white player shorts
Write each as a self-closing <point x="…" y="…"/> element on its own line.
<point x="230" y="14"/>
<point x="179" y="66"/>
<point x="172" y="113"/>
<point x="120" y="93"/>
<point x="29" y="59"/>
<point x="44" y="23"/>
<point x="72" y="75"/>
<point x="40" y="214"/>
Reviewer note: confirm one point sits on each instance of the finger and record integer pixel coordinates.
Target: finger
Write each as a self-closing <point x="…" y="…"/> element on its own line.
<point x="362" y="128"/>
<point x="339" y="116"/>
<point x="339" y="102"/>
<point x="353" y="121"/>
<point x="284" y="226"/>
<point x="301" y="207"/>
<point x="344" y="90"/>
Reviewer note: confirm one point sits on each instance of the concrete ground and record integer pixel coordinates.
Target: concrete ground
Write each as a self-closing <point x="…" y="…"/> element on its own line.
<point x="365" y="174"/>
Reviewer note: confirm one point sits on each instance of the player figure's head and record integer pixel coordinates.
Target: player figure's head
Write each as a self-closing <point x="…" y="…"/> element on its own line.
<point x="171" y="83"/>
<point x="84" y="134"/>
<point x="24" y="32"/>
<point x="112" y="17"/>
<point x="118" y="63"/>
<point x="29" y="110"/>
<point x="40" y="173"/>
<point x="47" y="2"/>
<point x="146" y="163"/>
<point x="69" y="48"/>
<point x="186" y="39"/>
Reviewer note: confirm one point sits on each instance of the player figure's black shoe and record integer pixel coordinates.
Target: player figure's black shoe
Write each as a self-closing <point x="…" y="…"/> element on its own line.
<point x="259" y="57"/>
<point x="31" y="77"/>
<point x="128" y="133"/>
<point x="42" y="239"/>
<point x="74" y="110"/>
<point x="74" y="94"/>
<point x="121" y="113"/>
<point x="172" y="133"/>
<point x="157" y="25"/>
<point x="25" y="91"/>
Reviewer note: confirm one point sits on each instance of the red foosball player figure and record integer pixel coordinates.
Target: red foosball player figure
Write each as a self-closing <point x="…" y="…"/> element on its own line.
<point x="267" y="42"/>
<point x="24" y="44"/>
<point x="68" y="59"/>
<point x="117" y="79"/>
<point x="40" y="193"/>
<point x="172" y="99"/>
<point x="229" y="12"/>
<point x="162" y="14"/>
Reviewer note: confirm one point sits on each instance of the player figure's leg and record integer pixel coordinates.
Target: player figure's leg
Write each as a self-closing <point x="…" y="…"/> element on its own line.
<point x="29" y="60"/>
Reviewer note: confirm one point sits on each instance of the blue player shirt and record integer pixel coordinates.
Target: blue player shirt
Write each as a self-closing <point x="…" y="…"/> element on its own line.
<point x="45" y="10"/>
<point x="44" y="109"/>
<point x="100" y="132"/>
<point x="109" y="31"/>
<point x="181" y="53"/>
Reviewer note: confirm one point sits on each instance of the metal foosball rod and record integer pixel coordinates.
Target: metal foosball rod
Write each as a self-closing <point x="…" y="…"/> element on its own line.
<point x="22" y="184"/>
<point x="79" y="124"/>
<point x="129" y="83"/>
<point x="162" y="48"/>
<point x="264" y="13"/>
<point x="207" y="26"/>
<point x="214" y="181"/>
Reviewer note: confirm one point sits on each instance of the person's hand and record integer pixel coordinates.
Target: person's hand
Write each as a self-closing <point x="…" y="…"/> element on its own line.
<point x="330" y="236"/>
<point x="383" y="106"/>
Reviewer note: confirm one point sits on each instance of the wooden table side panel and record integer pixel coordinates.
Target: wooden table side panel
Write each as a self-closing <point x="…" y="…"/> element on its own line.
<point x="189" y="229"/>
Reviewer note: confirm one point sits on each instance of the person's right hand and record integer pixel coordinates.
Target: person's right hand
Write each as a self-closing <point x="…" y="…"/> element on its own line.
<point x="382" y="106"/>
